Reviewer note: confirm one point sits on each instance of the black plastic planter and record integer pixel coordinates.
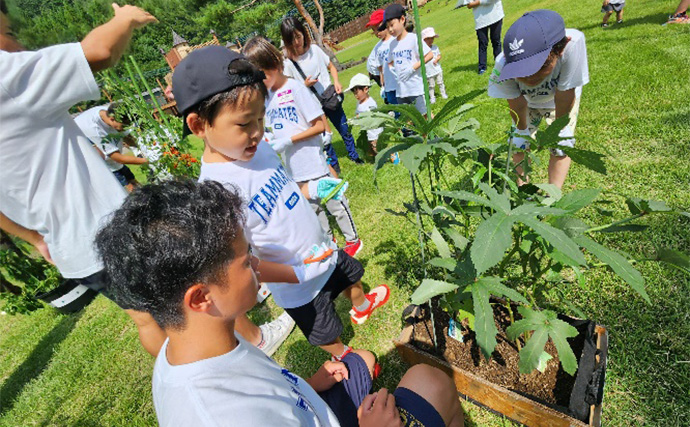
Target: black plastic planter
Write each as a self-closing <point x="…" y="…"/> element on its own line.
<point x="69" y="297"/>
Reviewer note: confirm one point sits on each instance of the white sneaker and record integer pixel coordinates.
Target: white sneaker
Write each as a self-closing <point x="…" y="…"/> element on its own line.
<point x="274" y="333"/>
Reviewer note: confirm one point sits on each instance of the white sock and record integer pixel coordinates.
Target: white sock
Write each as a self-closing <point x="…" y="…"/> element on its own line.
<point x="364" y="306"/>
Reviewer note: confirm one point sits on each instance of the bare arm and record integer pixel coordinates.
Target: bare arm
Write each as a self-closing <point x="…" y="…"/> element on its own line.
<point x="128" y="160"/>
<point x="334" y="77"/>
<point x="564" y="101"/>
<point x="383" y="83"/>
<point x="518" y="113"/>
<point x="318" y="126"/>
<point x="276" y="273"/>
<point x="104" y="45"/>
<point x="427" y="58"/>
<point x="29" y="236"/>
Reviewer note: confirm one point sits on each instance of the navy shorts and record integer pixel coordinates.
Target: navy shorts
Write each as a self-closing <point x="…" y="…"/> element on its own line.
<point x="317" y="319"/>
<point x="345" y="398"/>
<point x="613" y="7"/>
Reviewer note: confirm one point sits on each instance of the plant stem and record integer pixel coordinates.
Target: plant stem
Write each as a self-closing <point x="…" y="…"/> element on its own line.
<point x="623" y="221"/>
<point x="512" y="320"/>
<point x="148" y="89"/>
<point x="504" y="263"/>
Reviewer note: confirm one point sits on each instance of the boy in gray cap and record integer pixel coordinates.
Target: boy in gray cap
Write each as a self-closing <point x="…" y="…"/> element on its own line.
<point x="541" y="73"/>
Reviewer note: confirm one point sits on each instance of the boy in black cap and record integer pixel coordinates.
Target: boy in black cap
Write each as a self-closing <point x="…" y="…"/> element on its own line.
<point x="181" y="254"/>
<point x="541" y="73"/>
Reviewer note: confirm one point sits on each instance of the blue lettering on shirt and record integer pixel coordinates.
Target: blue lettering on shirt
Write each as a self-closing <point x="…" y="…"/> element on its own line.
<point x="292" y="201"/>
<point x="265" y="200"/>
<point x="405" y="54"/>
<point x="289" y="376"/>
<point x="278" y="126"/>
<point x="288" y="113"/>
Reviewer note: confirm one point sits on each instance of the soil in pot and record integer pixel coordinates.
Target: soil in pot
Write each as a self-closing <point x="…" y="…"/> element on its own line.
<point x="552" y="387"/>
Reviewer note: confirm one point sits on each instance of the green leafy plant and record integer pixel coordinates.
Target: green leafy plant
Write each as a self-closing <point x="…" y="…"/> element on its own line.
<point x="495" y="239"/>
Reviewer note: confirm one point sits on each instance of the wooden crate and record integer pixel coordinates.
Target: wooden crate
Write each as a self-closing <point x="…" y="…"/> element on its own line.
<point x="494" y="397"/>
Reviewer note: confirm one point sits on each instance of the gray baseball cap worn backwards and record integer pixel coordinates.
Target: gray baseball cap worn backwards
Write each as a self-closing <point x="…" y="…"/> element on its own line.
<point x="528" y="42"/>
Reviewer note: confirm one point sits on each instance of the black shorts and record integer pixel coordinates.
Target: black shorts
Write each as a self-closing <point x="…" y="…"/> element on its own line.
<point x="345" y="398"/>
<point x="317" y="319"/>
<point x="375" y="78"/>
<point x="613" y="7"/>
<point x="98" y="282"/>
<point x="124" y="175"/>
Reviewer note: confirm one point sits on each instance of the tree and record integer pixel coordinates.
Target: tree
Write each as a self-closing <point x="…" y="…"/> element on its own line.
<point x="317" y="32"/>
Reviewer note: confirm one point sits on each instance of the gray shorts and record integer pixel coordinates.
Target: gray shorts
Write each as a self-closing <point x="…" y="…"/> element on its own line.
<point x="613" y="7"/>
<point x="417" y="101"/>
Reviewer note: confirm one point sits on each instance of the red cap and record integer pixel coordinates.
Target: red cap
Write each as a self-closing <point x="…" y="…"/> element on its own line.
<point x="375" y="19"/>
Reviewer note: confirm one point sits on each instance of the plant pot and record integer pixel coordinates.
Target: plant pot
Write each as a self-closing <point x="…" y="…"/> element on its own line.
<point x="522" y="408"/>
<point x="69" y="297"/>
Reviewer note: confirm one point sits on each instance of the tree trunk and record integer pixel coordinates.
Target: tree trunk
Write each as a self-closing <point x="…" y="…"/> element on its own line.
<point x="317" y="32"/>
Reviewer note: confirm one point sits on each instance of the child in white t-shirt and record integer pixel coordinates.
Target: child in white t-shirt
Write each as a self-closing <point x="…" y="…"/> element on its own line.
<point x="297" y="120"/>
<point x="404" y="59"/>
<point x="610" y="6"/>
<point x="434" y="73"/>
<point x="105" y="131"/>
<point x="298" y="260"/>
<point x="194" y="272"/>
<point x="359" y="85"/>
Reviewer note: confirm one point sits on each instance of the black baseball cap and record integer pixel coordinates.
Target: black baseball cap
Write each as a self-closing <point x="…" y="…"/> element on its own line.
<point x="528" y="42"/>
<point x="393" y="11"/>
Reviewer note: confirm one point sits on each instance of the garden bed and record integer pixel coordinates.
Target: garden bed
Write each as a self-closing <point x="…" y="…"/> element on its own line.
<point x="538" y="398"/>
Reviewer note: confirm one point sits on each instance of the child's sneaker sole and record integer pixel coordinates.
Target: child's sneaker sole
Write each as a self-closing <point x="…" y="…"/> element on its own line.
<point x="378" y="297"/>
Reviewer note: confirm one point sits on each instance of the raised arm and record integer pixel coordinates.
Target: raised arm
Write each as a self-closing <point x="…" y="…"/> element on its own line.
<point x="104" y="45"/>
<point x="29" y="236"/>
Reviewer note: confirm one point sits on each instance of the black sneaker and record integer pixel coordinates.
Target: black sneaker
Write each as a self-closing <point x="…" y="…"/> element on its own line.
<point x="481" y="71"/>
<point x="358" y="161"/>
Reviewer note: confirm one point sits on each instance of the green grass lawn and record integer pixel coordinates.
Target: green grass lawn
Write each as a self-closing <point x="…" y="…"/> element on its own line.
<point x="89" y="369"/>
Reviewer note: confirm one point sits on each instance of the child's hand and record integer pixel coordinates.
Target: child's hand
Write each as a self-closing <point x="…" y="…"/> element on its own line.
<point x="378" y="410"/>
<point x="606" y="3"/>
<point x="309" y="82"/>
<point x="280" y="144"/>
<point x="406" y="73"/>
<point x="336" y="370"/>
<point x="473" y="4"/>
<point x="323" y="187"/>
<point x="137" y="16"/>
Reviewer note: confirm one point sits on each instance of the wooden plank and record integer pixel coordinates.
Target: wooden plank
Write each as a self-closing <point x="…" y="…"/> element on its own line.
<point x="514" y="406"/>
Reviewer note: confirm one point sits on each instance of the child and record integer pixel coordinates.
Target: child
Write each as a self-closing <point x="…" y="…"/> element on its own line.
<point x="101" y="127"/>
<point x="189" y="264"/>
<point x="297" y="120"/>
<point x="488" y="17"/>
<point x="372" y="61"/>
<point x="221" y="96"/>
<point x="541" y="77"/>
<point x="404" y="59"/>
<point x="608" y="7"/>
<point x="359" y="85"/>
<point x="434" y="73"/>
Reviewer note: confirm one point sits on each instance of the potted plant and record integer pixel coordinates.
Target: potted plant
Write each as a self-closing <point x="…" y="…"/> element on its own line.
<point x="501" y="248"/>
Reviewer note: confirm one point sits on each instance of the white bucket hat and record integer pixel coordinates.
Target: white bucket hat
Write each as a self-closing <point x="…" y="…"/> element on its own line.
<point x="359" y="79"/>
<point x="429" y="32"/>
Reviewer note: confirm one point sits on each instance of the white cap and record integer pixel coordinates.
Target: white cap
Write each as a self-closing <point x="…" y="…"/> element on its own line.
<point x="359" y="79"/>
<point x="428" y="32"/>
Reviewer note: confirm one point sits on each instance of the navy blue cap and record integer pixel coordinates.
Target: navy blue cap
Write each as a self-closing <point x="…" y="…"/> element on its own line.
<point x="528" y="42"/>
<point x="204" y="73"/>
<point x="393" y="11"/>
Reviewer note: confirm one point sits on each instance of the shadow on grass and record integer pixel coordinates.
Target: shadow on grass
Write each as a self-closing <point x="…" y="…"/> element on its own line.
<point x="403" y="263"/>
<point x="658" y="18"/>
<point x="467" y="67"/>
<point x="36" y="362"/>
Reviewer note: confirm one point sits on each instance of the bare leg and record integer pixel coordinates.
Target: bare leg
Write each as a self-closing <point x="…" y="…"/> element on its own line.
<point x="334" y="174"/>
<point x="336" y="348"/>
<point x="607" y="15"/>
<point x="151" y="335"/>
<point x="368" y="358"/>
<point x="355" y="293"/>
<point x="558" y="170"/>
<point x="249" y="331"/>
<point x="619" y="15"/>
<point x="682" y="7"/>
<point x="517" y="159"/>
<point x="436" y="387"/>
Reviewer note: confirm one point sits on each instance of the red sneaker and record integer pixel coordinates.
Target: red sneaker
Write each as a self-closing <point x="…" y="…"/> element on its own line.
<point x="347" y="351"/>
<point x="378" y="297"/>
<point x="353" y="248"/>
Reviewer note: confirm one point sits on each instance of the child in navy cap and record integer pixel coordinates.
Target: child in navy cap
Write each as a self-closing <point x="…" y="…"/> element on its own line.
<point x="541" y="73"/>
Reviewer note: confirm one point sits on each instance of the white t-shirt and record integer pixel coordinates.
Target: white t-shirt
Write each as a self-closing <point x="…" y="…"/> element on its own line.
<point x="243" y="387"/>
<point x="281" y="225"/>
<point x="314" y="63"/>
<point x="289" y="111"/>
<point x="51" y="178"/>
<point x="404" y="54"/>
<point x="571" y="71"/>
<point x="431" y="68"/>
<point x="372" y="60"/>
<point x="368" y="105"/>
<point x="389" y="79"/>
<point x="93" y="126"/>
<point x="487" y="13"/>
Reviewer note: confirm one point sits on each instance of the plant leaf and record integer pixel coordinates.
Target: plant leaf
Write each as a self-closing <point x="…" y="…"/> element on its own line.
<point x="549" y="138"/>
<point x="533" y="209"/>
<point x="440" y="243"/>
<point x="466" y="311"/>
<point x="430" y="288"/>
<point x="484" y="324"/>
<point x="551" y="190"/>
<point x="559" y="331"/>
<point x="452" y="107"/>
<point x="384" y="155"/>
<point x="447" y="147"/>
<point x="638" y="206"/>
<point x="675" y="258"/>
<point x="470" y="197"/>
<point x="413" y="156"/>
<point x="372" y="120"/>
<point x="529" y="355"/>
<point x="448" y="263"/>
<point x="495" y="287"/>
<point x="624" y="227"/>
<point x="464" y="273"/>
<point x="572" y="226"/>
<point x="407" y="112"/>
<point x="618" y="264"/>
<point x="557" y="238"/>
<point x="459" y="241"/>
<point x="500" y="200"/>
<point x="578" y="199"/>
<point x="589" y="159"/>
<point x="492" y="239"/>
